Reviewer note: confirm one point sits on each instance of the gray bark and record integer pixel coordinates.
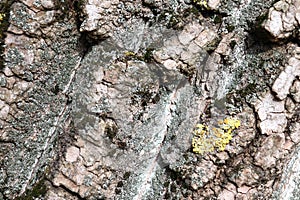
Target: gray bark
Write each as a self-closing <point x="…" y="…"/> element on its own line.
<point x="99" y="99"/>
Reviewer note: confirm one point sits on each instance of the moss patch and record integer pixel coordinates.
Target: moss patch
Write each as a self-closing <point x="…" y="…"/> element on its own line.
<point x="38" y="190"/>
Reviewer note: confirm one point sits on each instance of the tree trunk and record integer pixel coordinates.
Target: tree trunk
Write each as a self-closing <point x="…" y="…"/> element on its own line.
<point x="193" y="99"/>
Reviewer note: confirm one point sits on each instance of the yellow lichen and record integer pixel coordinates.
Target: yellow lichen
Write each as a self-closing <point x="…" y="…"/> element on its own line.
<point x="1" y="17"/>
<point x="207" y="140"/>
<point x="129" y="53"/>
<point x="202" y="3"/>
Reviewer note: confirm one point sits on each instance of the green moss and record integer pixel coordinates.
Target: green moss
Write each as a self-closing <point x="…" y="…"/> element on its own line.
<point x="126" y="175"/>
<point x="39" y="190"/>
<point x="111" y="131"/>
<point x="232" y="44"/>
<point x="192" y="10"/>
<point x="213" y="44"/>
<point x="148" y="56"/>
<point x="217" y="19"/>
<point x="230" y="28"/>
<point x="249" y="89"/>
<point x="173" y="21"/>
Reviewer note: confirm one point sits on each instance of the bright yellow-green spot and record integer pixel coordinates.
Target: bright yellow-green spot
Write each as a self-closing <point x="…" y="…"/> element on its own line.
<point x="207" y="140"/>
<point x="202" y="3"/>
<point x="1" y="17"/>
<point x="129" y="53"/>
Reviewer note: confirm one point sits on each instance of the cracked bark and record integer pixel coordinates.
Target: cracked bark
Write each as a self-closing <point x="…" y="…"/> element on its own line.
<point x="113" y="106"/>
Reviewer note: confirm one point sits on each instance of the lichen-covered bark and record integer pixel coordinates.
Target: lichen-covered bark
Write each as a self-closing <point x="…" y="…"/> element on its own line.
<point x="42" y="48"/>
<point x="99" y="99"/>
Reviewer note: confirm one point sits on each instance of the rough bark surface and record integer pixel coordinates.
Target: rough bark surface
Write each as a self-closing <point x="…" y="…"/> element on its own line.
<point x="99" y="99"/>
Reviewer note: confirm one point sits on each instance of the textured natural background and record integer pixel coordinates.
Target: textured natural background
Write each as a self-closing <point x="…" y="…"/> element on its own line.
<point x="99" y="99"/>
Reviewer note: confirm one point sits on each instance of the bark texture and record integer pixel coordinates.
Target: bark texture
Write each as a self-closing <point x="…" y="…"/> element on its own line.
<point x="100" y="99"/>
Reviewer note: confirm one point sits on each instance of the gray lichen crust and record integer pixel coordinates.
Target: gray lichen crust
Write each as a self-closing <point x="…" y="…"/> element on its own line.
<point x="39" y="60"/>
